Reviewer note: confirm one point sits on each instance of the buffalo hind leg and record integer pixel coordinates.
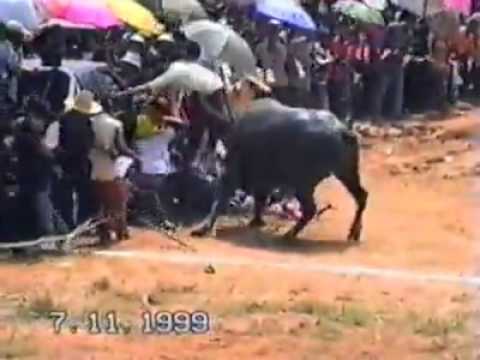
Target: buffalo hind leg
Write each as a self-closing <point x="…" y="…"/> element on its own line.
<point x="260" y="202"/>
<point x="354" y="187"/>
<point x="309" y="210"/>
<point x="221" y="197"/>
<point x="348" y="174"/>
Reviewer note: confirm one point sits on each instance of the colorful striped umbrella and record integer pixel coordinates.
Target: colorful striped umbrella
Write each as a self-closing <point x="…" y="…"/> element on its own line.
<point x="103" y="13"/>
<point x="135" y="15"/>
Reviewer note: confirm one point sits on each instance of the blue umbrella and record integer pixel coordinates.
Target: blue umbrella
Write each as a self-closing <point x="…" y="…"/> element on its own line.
<point x="286" y="11"/>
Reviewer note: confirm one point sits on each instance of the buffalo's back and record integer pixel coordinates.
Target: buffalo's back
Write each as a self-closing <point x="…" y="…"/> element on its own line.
<point x="279" y="145"/>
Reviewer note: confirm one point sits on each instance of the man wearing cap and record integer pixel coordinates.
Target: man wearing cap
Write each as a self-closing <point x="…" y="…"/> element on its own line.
<point x="272" y="54"/>
<point x="129" y="71"/>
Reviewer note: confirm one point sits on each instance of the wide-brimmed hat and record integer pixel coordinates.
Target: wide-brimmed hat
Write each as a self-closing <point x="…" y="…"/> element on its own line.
<point x="85" y="103"/>
<point x="132" y="58"/>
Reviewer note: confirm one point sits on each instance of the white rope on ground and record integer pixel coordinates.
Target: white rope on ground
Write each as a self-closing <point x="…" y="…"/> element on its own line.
<point x="351" y="271"/>
<point x="65" y="240"/>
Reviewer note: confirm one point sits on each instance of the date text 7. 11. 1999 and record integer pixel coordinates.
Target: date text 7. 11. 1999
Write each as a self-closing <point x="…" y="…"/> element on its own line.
<point x="156" y="323"/>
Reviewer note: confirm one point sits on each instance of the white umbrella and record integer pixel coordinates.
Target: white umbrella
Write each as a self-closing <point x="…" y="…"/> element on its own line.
<point x="417" y="7"/>
<point x="187" y="76"/>
<point x="23" y="11"/>
<point x="186" y="9"/>
<point x="220" y="42"/>
<point x="376" y="4"/>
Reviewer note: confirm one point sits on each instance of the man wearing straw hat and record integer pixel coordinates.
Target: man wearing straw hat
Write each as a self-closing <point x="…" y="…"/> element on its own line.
<point x="73" y="142"/>
<point x="110" y="189"/>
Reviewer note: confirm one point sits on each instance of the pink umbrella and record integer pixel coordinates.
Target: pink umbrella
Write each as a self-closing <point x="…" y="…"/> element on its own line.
<point x="461" y="6"/>
<point x="86" y="12"/>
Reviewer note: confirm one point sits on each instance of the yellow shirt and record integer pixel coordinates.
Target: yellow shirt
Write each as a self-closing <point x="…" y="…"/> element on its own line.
<point x="145" y="128"/>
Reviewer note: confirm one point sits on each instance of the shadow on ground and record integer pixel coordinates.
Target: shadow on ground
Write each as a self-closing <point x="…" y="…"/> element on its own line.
<point x="266" y="239"/>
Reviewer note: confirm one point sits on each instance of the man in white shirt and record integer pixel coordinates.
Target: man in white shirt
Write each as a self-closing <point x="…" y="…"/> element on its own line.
<point x="272" y="54"/>
<point x="111" y="190"/>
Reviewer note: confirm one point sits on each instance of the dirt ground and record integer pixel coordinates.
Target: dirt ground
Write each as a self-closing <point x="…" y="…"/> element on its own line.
<point x="420" y="218"/>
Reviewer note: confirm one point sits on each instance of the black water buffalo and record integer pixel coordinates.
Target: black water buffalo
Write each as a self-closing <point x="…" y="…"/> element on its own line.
<point x="275" y="146"/>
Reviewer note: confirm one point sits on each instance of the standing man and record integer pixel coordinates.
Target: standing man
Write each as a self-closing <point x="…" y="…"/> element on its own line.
<point x="392" y="70"/>
<point x="111" y="192"/>
<point x="272" y="54"/>
<point x="75" y="141"/>
<point x="300" y="63"/>
<point x="35" y="172"/>
<point x="340" y="81"/>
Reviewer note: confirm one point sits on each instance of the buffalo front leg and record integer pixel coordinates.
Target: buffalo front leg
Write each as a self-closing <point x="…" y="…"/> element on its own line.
<point x="260" y="202"/>
<point x="309" y="210"/>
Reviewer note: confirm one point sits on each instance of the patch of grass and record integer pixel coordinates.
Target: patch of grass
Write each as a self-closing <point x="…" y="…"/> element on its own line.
<point x="168" y="295"/>
<point x="252" y="308"/>
<point x="355" y="316"/>
<point x="317" y="309"/>
<point x="39" y="307"/>
<point x="16" y="348"/>
<point x="332" y="320"/>
<point x="102" y="284"/>
<point x="347" y="315"/>
<point x="436" y="326"/>
<point x="111" y="300"/>
<point x="328" y="331"/>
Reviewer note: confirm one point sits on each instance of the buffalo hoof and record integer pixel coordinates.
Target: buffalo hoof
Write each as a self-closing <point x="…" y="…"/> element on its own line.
<point x="289" y="236"/>
<point x="257" y="223"/>
<point x="201" y="232"/>
<point x="354" y="236"/>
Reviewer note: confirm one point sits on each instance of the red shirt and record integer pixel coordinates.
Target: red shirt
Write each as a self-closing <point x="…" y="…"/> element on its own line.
<point x="359" y="53"/>
<point x="339" y="49"/>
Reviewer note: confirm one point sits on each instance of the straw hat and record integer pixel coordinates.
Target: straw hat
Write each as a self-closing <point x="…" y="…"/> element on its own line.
<point x="84" y="103"/>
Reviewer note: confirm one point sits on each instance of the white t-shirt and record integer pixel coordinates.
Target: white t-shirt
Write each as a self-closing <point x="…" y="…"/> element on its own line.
<point x="154" y="154"/>
<point x="274" y="60"/>
<point x="105" y="128"/>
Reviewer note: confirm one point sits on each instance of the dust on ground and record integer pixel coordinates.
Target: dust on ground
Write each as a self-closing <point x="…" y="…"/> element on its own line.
<point x="420" y="217"/>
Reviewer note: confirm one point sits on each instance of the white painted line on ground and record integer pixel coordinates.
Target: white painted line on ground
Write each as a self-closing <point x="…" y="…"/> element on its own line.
<point x="353" y="271"/>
